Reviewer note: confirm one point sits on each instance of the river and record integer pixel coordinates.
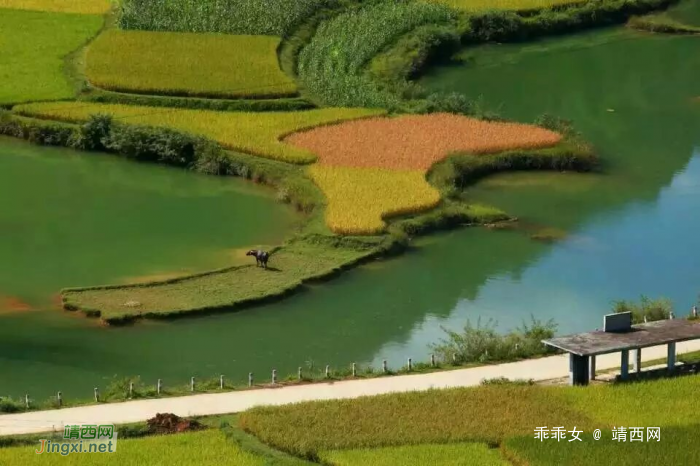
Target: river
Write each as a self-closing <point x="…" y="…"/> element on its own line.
<point x="631" y="229"/>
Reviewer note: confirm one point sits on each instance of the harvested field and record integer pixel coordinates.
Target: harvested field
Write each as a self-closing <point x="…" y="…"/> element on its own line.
<point x="257" y="133"/>
<point x="195" y="65"/>
<point x="89" y="7"/>
<point x="360" y="198"/>
<point x="416" y="142"/>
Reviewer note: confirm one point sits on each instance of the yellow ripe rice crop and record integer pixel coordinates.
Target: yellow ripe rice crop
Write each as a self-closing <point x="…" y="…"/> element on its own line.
<point x="202" y="65"/>
<point x="450" y="454"/>
<point x="88" y="7"/>
<point x="203" y="447"/>
<point x="416" y="142"/>
<point x="515" y="5"/>
<point x="360" y="198"/>
<point x="258" y="133"/>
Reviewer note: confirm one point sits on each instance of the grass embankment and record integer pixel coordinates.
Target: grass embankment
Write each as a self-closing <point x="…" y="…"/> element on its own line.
<point x="290" y="267"/>
<point x="662" y="23"/>
<point x="459" y="454"/>
<point x="254" y="133"/>
<point x="512" y="5"/>
<point x="268" y="17"/>
<point x="203" y="65"/>
<point x="34" y="45"/>
<point x="495" y="414"/>
<point x="89" y="7"/>
<point x="376" y="168"/>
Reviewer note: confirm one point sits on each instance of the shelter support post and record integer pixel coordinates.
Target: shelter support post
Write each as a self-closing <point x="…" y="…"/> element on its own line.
<point x="624" y="364"/>
<point x="637" y="360"/>
<point x="671" y="356"/>
<point x="578" y="369"/>
<point x="591" y="371"/>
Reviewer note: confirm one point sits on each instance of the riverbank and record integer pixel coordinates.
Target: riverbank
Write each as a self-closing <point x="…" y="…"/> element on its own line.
<point x="542" y="369"/>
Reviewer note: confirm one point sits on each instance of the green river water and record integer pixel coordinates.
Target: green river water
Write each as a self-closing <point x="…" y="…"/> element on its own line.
<point x="632" y="229"/>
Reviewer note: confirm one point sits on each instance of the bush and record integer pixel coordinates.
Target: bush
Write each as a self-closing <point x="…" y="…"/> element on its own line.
<point x="479" y="344"/>
<point x="646" y="310"/>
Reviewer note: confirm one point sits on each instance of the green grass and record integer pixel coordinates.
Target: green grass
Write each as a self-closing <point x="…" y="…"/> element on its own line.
<point x="332" y="66"/>
<point x="458" y="454"/>
<point x="93" y="7"/>
<point x="254" y="133"/>
<point x="678" y="445"/>
<point x="204" y="447"/>
<point x="481" y="414"/>
<point x="270" y="17"/>
<point x="514" y="5"/>
<point x="197" y="65"/>
<point x="662" y="23"/>
<point x="289" y="267"/>
<point x="32" y="51"/>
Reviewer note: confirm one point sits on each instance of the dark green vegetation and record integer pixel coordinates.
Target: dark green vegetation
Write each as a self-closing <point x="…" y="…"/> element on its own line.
<point x="493" y="414"/>
<point x="646" y="310"/>
<point x="482" y="344"/>
<point x="271" y="17"/>
<point x="34" y="46"/>
<point x="662" y="23"/>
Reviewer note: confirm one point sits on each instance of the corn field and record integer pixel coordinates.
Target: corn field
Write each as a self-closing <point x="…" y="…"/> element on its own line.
<point x="268" y="17"/>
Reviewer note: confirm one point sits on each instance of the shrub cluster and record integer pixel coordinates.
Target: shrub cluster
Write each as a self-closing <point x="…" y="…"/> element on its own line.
<point x="646" y="310"/>
<point x="481" y="343"/>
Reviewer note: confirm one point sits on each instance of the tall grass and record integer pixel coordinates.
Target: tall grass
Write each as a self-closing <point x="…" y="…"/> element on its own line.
<point x="255" y="133"/>
<point x="269" y="17"/>
<point x="646" y="309"/>
<point x="188" y="64"/>
<point x="515" y="5"/>
<point x="32" y="53"/>
<point x="332" y="66"/>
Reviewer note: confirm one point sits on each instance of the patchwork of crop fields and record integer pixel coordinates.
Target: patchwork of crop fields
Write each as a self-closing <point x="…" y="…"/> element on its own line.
<point x="256" y="133"/>
<point x="89" y="7"/>
<point x="514" y="5"/>
<point x="199" y="65"/>
<point x="34" y="45"/>
<point x="269" y="17"/>
<point x="360" y="198"/>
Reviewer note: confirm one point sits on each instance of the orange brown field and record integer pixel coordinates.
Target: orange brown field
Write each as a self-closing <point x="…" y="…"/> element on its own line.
<point x="416" y="142"/>
<point x="12" y="303"/>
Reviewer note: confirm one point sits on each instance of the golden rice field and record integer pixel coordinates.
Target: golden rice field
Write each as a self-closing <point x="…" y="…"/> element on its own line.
<point x="359" y="199"/>
<point x="451" y="454"/>
<point x="515" y="5"/>
<point x="201" y="65"/>
<point x="205" y="447"/>
<point x="416" y="142"/>
<point x="88" y="7"/>
<point x="258" y="133"/>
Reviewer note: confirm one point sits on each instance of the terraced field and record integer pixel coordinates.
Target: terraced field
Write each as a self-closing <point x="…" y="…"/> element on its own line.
<point x="514" y="5"/>
<point x="199" y="65"/>
<point x="89" y="7"/>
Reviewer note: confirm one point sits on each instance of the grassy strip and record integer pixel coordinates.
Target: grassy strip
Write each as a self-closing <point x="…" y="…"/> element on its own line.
<point x="252" y="445"/>
<point x="512" y="5"/>
<point x="89" y="7"/>
<point x="457" y="454"/>
<point x="662" y="23"/>
<point x="678" y="445"/>
<point x="267" y="17"/>
<point x="291" y="266"/>
<point x="256" y="133"/>
<point x="33" y="51"/>
<point x="186" y="64"/>
<point x="290" y="104"/>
